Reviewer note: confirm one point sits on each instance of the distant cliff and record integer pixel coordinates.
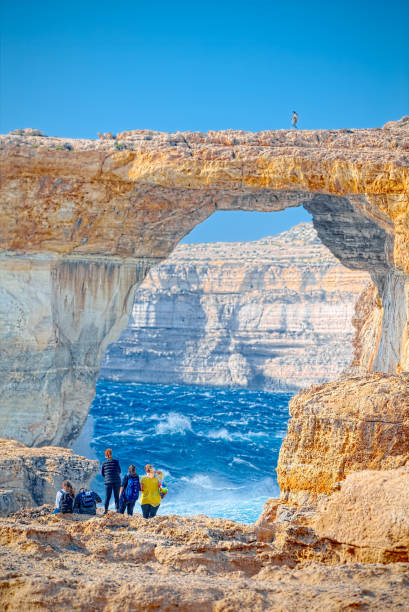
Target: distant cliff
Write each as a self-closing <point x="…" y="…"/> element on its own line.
<point x="272" y="314"/>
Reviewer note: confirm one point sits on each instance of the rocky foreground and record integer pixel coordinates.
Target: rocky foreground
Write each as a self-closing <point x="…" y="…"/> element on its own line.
<point x="272" y="314"/>
<point x="174" y="563"/>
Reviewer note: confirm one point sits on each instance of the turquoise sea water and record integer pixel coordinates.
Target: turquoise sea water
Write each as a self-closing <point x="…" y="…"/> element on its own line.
<point x="218" y="447"/>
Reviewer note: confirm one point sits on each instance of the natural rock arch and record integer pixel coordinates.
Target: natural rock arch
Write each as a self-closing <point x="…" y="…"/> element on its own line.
<point x="82" y="225"/>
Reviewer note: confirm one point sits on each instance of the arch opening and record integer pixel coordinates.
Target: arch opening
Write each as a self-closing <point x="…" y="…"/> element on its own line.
<point x="230" y="331"/>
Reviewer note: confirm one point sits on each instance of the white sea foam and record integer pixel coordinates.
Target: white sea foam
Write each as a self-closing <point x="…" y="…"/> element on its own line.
<point x="219" y="434"/>
<point x="237" y="460"/>
<point x="204" y="481"/>
<point x="174" y="423"/>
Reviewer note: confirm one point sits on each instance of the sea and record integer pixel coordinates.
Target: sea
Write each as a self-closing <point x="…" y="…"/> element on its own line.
<point x="217" y="447"/>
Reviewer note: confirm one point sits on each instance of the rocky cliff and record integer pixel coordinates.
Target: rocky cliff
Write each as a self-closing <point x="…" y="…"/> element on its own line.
<point x="32" y="476"/>
<point x="82" y="221"/>
<point x="341" y="427"/>
<point x="273" y="314"/>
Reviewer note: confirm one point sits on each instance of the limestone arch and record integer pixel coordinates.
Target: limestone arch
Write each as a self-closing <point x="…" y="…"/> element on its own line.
<point x="81" y="227"/>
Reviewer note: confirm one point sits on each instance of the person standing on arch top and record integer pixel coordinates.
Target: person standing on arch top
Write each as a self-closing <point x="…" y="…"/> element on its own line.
<point x="294" y="120"/>
<point x="111" y="471"/>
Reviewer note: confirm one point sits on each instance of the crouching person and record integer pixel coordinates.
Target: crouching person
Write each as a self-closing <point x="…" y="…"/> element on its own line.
<point x="86" y="502"/>
<point x="64" y="501"/>
<point x="129" y="492"/>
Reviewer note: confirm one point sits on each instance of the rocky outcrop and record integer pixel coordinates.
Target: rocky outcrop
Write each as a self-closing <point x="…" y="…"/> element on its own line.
<point x="364" y="520"/>
<point x="172" y="563"/>
<point x="349" y="425"/>
<point x="369" y="516"/>
<point x="76" y="211"/>
<point x="32" y="476"/>
<point x="272" y="314"/>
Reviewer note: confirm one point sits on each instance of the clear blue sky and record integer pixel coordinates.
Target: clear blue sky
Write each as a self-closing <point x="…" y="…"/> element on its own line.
<point x="79" y="67"/>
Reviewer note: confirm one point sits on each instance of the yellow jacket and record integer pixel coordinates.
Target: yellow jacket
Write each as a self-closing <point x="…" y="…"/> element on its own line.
<point x="150" y="491"/>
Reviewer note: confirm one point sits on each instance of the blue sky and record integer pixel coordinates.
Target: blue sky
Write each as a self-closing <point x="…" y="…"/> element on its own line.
<point x="76" y="68"/>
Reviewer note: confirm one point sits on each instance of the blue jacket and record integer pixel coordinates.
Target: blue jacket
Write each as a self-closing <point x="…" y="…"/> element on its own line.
<point x="78" y="509"/>
<point x="111" y="471"/>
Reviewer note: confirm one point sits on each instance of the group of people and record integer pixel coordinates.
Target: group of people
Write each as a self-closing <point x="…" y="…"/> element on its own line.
<point x="126" y="491"/>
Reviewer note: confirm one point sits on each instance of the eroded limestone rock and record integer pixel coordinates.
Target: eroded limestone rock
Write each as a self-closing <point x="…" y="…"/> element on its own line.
<point x="169" y="563"/>
<point x="364" y="520"/>
<point x="31" y="476"/>
<point x="349" y="425"/>
<point x="369" y="513"/>
<point x="127" y="203"/>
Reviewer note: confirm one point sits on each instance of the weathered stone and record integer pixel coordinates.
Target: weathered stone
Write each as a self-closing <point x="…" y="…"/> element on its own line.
<point x="168" y="563"/>
<point x="272" y="314"/>
<point x="367" y="321"/>
<point x="98" y="206"/>
<point x="65" y="314"/>
<point x="369" y="513"/>
<point x="349" y="425"/>
<point x="32" y="476"/>
<point x="265" y="524"/>
<point x="363" y="520"/>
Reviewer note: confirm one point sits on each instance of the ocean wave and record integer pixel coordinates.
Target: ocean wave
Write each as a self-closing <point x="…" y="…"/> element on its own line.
<point x="219" y="434"/>
<point x="208" y="443"/>
<point x="174" y="423"/>
<point x="237" y="460"/>
<point x="205" y="482"/>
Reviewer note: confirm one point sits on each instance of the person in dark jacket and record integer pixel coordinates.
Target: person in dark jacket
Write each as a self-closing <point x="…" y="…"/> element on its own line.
<point x="86" y="501"/>
<point x="111" y="471"/>
<point x="129" y="492"/>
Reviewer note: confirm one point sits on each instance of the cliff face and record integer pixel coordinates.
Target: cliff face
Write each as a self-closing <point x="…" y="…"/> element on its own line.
<point x="82" y="221"/>
<point x="273" y="314"/>
<point x="341" y="427"/>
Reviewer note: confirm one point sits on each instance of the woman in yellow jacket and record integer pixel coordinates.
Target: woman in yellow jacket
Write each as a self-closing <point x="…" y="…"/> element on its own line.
<point x="150" y="500"/>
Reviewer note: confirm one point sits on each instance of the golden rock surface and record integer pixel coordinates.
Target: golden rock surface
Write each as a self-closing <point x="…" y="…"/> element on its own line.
<point x="141" y="199"/>
<point x="170" y="562"/>
<point x="341" y="427"/>
<point x="82" y="221"/>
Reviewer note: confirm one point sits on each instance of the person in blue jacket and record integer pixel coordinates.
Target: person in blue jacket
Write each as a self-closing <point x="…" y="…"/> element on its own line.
<point x="111" y="471"/>
<point x="129" y="492"/>
<point x="86" y="502"/>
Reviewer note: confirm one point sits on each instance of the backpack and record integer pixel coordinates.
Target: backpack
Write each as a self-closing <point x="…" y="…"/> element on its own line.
<point x="66" y="503"/>
<point x="132" y="489"/>
<point x="87" y="503"/>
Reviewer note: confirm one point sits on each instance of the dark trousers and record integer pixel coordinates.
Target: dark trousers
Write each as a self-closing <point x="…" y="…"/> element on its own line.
<point x="126" y="505"/>
<point x="149" y="511"/>
<point x="109" y="488"/>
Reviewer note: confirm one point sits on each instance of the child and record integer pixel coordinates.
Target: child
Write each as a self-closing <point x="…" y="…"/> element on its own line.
<point x="129" y="491"/>
<point x="163" y="487"/>
<point x="64" y="500"/>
